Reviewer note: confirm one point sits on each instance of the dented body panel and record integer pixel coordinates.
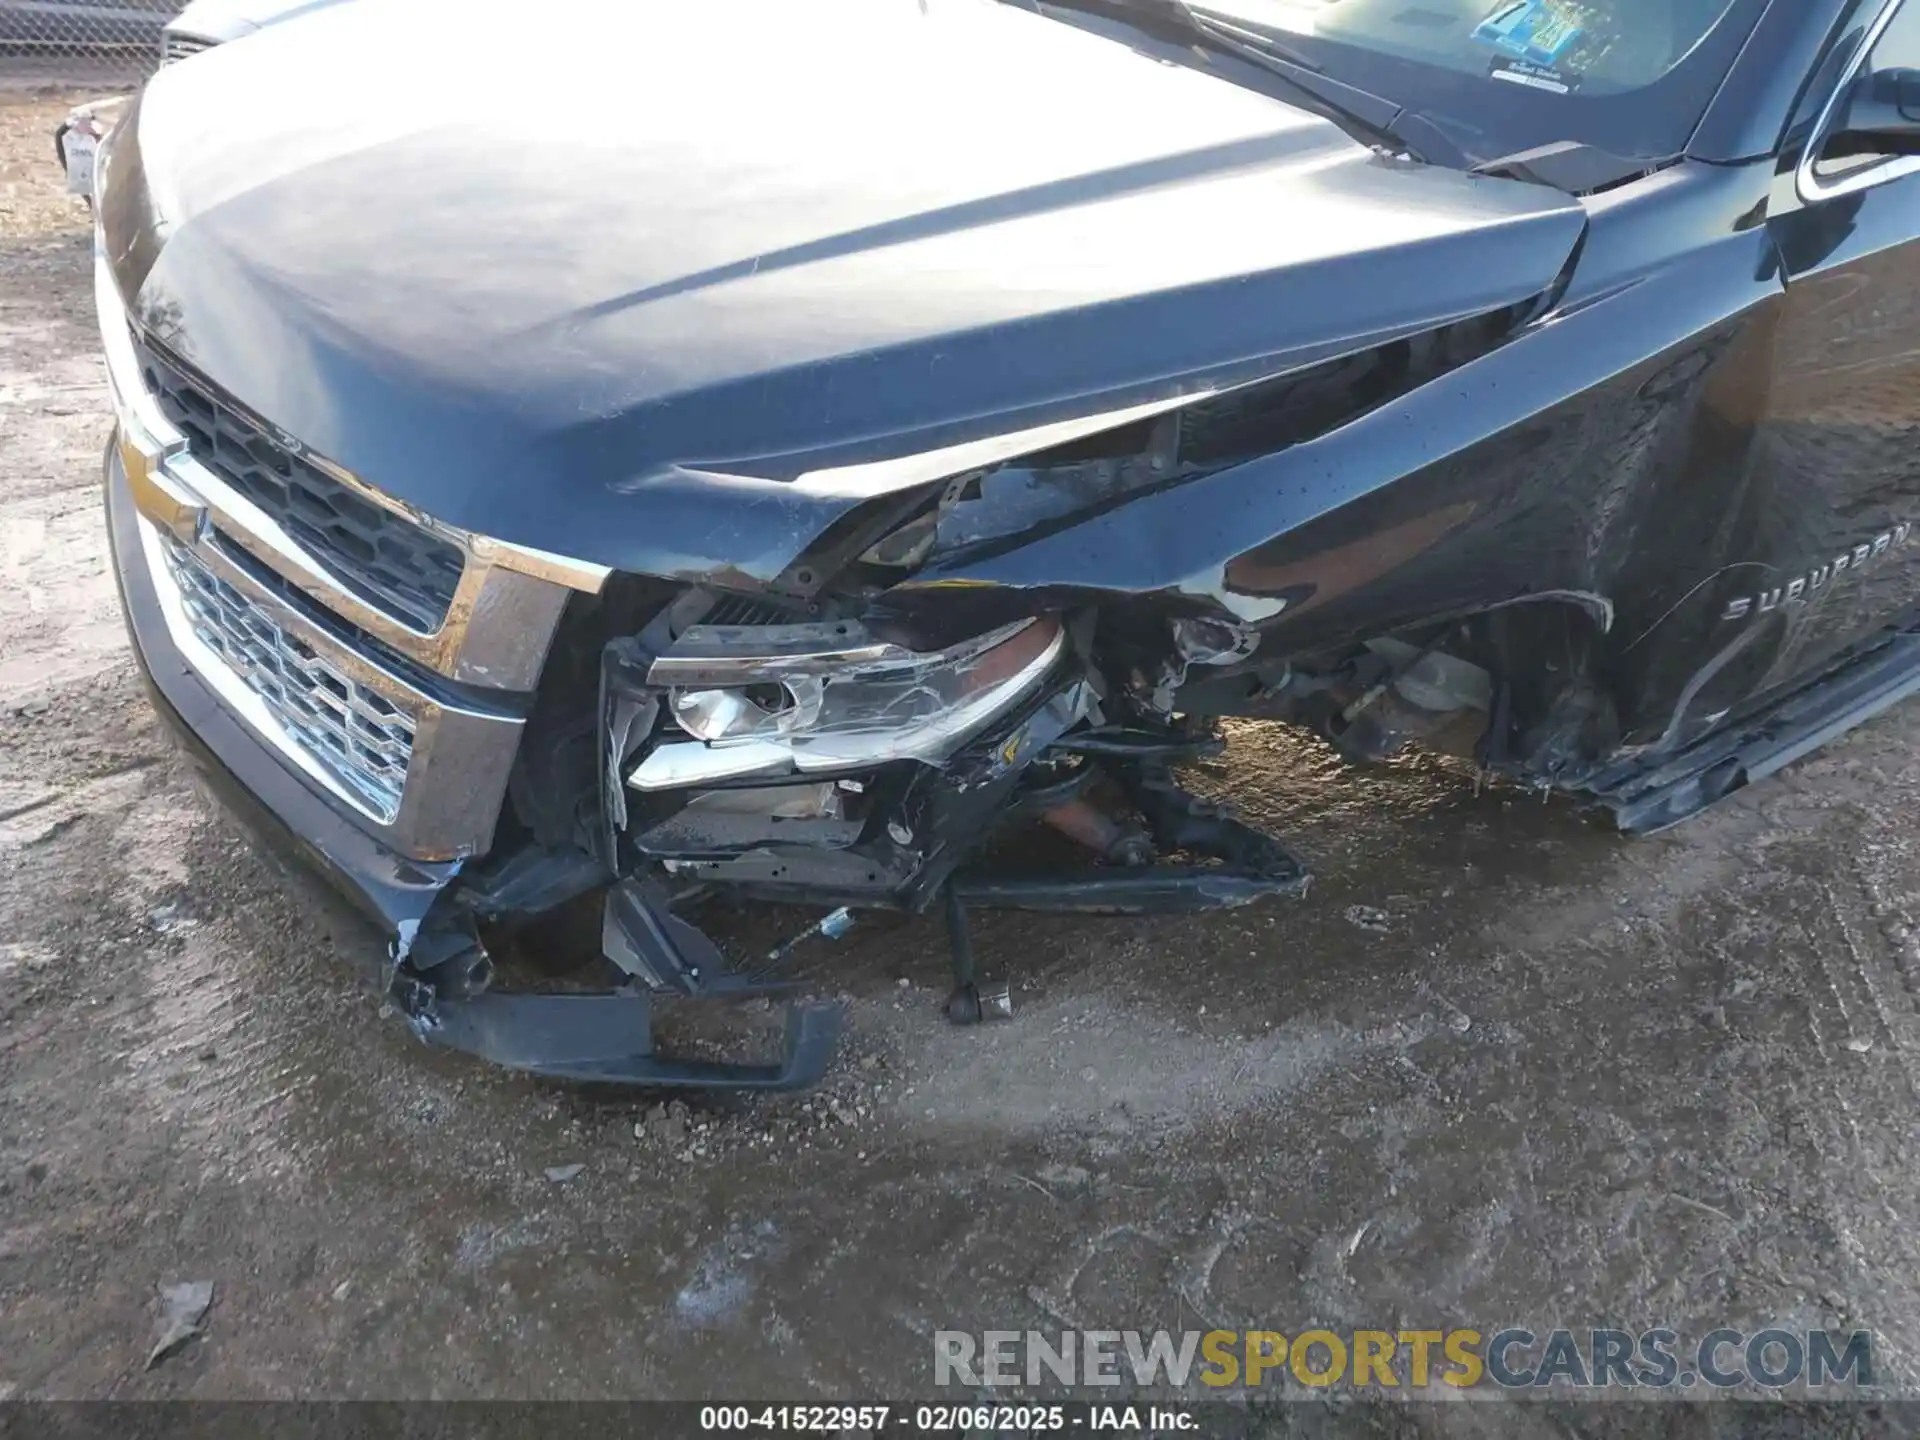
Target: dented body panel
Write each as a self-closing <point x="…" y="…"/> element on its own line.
<point x="637" y="348"/>
<point x="1556" y="465"/>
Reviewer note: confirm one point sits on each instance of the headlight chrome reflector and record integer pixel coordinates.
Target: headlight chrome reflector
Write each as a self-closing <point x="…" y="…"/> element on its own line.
<point x="821" y="698"/>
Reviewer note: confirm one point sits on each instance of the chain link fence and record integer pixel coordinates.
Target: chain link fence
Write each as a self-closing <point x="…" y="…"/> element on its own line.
<point x="122" y="34"/>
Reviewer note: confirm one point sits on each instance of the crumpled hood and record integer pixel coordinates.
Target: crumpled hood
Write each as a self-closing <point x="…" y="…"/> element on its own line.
<point x="605" y="279"/>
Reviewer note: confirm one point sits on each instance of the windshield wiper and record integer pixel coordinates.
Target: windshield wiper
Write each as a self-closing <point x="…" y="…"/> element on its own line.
<point x="1346" y="105"/>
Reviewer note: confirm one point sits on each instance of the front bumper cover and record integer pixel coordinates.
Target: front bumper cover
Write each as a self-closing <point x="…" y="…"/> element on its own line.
<point x="603" y="1037"/>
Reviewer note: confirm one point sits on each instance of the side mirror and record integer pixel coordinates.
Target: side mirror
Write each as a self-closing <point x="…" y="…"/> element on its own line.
<point x="1881" y="117"/>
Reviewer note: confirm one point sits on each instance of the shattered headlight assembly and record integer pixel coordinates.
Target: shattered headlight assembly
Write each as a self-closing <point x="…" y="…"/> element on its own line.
<point x="830" y="697"/>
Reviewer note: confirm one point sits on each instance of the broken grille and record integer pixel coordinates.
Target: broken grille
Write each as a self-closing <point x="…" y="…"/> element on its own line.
<point x="383" y="557"/>
<point x="362" y="740"/>
<point x="178" y="47"/>
<point x="743" y="610"/>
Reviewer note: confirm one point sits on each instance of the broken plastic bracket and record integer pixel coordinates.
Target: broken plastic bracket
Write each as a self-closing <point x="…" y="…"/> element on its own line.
<point x="641" y="935"/>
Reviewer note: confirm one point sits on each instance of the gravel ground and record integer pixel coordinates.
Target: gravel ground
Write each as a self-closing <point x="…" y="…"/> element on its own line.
<point x="1499" y="1067"/>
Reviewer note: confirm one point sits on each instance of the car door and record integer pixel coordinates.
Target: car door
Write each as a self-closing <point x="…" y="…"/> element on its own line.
<point x="1834" y="485"/>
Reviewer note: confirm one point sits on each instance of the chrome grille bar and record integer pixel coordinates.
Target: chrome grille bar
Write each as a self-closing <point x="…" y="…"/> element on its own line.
<point x="385" y="557"/>
<point x="364" y="740"/>
<point x="355" y="726"/>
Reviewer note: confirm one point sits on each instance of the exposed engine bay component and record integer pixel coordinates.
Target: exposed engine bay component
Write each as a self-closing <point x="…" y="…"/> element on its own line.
<point x="1370" y="700"/>
<point x="1419" y="691"/>
<point x="1214" y="642"/>
<point x="713" y="820"/>
<point x="1113" y="842"/>
<point x="1250" y="864"/>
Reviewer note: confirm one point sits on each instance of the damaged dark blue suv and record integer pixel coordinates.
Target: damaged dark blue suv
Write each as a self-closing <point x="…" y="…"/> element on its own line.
<point x="764" y="449"/>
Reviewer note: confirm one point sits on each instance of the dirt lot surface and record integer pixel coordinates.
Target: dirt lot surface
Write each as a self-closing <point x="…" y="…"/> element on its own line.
<point x="1499" y="1067"/>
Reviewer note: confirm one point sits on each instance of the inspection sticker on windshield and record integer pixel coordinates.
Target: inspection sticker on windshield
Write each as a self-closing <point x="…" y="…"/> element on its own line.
<point x="1531" y="36"/>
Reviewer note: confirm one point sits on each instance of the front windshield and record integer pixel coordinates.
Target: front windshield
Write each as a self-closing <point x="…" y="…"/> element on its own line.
<point x="1629" y="76"/>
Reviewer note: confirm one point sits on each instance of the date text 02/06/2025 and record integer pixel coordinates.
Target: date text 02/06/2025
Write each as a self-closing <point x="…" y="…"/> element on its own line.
<point x="963" y="1419"/>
